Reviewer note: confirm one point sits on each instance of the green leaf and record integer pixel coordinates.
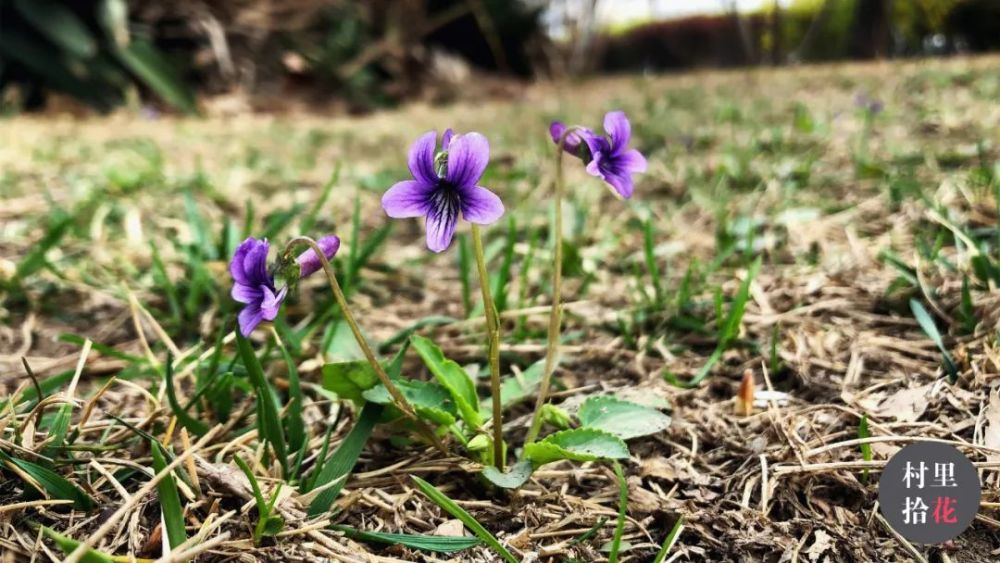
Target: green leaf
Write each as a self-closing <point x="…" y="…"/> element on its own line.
<point x="52" y="484"/>
<point x="927" y="324"/>
<point x="731" y="328"/>
<point x="349" y="380"/>
<point x="452" y="377"/>
<point x="515" y="476"/>
<point x="616" y="541"/>
<point x="649" y="250"/>
<point x="556" y="416"/>
<point x="187" y="421"/>
<point x="68" y="545"/>
<point x="580" y="444"/>
<point x="670" y="540"/>
<point x="170" y="500"/>
<point x="268" y="422"/>
<point x="35" y="259"/>
<point x="866" y="449"/>
<point x="59" y="25"/>
<point x="517" y="388"/>
<point x="146" y="62"/>
<point x="430" y="400"/>
<point x="434" y="544"/>
<point x="457" y="511"/>
<point x="624" y="419"/>
<point x="345" y="457"/>
<point x="294" y="424"/>
<point x="51" y="66"/>
<point x="267" y="523"/>
<point x="342" y="462"/>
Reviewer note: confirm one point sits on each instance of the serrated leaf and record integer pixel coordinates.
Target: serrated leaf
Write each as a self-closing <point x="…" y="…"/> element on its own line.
<point x="515" y="476"/>
<point x="579" y="444"/>
<point x="349" y="380"/>
<point x="452" y="377"/>
<point x="624" y="419"/>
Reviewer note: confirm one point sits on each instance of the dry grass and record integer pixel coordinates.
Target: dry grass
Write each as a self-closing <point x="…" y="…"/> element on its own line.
<point x="782" y="484"/>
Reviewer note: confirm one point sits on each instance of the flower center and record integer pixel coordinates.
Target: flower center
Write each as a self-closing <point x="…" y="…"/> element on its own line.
<point x="445" y="201"/>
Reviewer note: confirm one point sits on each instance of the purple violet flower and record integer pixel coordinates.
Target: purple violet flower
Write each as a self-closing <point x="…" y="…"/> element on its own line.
<point x="873" y="106"/>
<point x="443" y="184"/>
<point x="607" y="158"/>
<point x="254" y="285"/>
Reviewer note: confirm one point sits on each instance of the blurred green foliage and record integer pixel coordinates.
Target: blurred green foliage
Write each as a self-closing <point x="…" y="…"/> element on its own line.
<point x="83" y="49"/>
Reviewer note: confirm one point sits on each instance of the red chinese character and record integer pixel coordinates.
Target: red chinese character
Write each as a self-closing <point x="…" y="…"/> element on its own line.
<point x="944" y="512"/>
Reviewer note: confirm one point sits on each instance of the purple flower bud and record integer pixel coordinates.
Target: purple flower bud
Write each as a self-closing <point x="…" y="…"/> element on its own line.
<point x="309" y="263"/>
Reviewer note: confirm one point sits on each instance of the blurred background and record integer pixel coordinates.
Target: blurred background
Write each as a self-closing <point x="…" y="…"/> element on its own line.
<point x="193" y="56"/>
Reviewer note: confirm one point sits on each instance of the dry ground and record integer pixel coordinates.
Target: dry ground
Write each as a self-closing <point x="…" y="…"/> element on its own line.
<point x="769" y="163"/>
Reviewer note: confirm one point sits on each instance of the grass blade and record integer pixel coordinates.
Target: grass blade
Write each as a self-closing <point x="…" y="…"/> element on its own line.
<point x="452" y="508"/>
<point x="927" y="324"/>
<point x="267" y="416"/>
<point x="193" y="425"/>
<point x="51" y="483"/>
<point x="294" y="424"/>
<point x="344" y="458"/>
<point x="670" y="540"/>
<point x="435" y="544"/>
<point x="170" y="500"/>
<point x="616" y="541"/>
<point x="68" y="545"/>
<point x="866" y="449"/>
<point x="651" y="266"/>
<point x="146" y="62"/>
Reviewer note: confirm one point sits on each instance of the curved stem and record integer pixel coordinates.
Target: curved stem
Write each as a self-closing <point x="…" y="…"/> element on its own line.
<point x="493" y="328"/>
<point x="383" y="377"/>
<point x="555" y="314"/>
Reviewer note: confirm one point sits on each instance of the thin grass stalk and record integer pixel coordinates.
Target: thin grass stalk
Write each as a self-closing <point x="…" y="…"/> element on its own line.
<point x="555" y="314"/>
<point x="383" y="377"/>
<point x="493" y="330"/>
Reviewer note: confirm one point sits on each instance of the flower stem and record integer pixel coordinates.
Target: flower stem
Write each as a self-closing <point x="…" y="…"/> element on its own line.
<point x="383" y="377"/>
<point x="555" y="313"/>
<point x="493" y="330"/>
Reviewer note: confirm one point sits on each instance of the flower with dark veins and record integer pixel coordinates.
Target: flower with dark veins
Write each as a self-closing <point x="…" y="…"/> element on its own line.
<point x="254" y="283"/>
<point x="444" y="184"/>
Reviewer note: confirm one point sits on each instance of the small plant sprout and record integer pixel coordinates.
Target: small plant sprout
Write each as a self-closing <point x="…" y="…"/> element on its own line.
<point x="609" y="159"/>
<point x="444" y="184"/>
